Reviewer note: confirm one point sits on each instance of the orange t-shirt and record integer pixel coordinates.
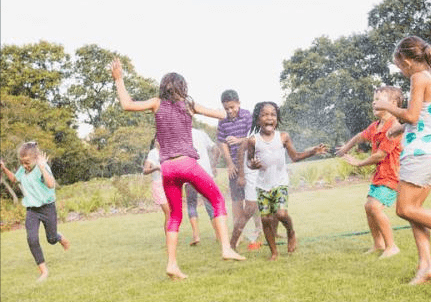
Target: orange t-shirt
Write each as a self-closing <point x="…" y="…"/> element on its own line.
<point x="387" y="171"/>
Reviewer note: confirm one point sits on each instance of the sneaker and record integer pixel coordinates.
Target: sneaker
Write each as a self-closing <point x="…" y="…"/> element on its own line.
<point x="254" y="246"/>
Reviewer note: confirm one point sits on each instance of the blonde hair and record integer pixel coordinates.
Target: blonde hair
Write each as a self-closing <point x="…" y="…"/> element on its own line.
<point x="28" y="149"/>
<point x="394" y="92"/>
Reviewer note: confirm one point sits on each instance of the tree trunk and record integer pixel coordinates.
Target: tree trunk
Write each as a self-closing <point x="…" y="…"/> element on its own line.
<point x="10" y="190"/>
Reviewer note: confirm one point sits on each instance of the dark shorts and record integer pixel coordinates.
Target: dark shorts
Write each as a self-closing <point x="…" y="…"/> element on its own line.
<point x="237" y="193"/>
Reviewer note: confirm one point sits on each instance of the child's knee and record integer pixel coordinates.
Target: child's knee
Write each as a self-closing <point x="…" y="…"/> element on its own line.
<point x="53" y="239"/>
<point x="266" y="219"/>
<point x="402" y="211"/>
<point x="372" y="205"/>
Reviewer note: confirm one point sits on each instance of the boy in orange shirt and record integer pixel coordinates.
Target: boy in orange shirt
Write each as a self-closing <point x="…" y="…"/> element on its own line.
<point x="386" y="156"/>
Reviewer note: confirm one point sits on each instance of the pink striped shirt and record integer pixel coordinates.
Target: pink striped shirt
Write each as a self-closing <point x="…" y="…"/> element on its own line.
<point x="174" y="131"/>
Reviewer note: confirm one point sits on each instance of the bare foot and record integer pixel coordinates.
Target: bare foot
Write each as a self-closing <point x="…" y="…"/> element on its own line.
<point x="195" y="242"/>
<point x="389" y="252"/>
<point x="64" y="242"/>
<point x="175" y="274"/>
<point x="43" y="276"/>
<point x="374" y="249"/>
<point x="422" y="276"/>
<point x="230" y="254"/>
<point x="291" y="243"/>
<point x="273" y="257"/>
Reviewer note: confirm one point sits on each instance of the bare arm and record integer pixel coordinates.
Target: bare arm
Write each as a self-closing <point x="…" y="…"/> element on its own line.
<point x="357" y="139"/>
<point x="215" y="113"/>
<point x="418" y="84"/>
<point x="42" y="159"/>
<point x="371" y="160"/>
<point x="297" y="156"/>
<point x="125" y="100"/>
<point x="149" y="168"/>
<point x="8" y="173"/>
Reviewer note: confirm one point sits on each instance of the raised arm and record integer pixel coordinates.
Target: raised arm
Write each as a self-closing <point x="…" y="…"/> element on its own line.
<point x="215" y="113"/>
<point x="8" y="173"/>
<point x="49" y="179"/>
<point x="126" y="101"/>
<point x="418" y="83"/>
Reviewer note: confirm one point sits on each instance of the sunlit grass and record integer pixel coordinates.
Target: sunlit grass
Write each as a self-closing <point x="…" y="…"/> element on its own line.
<point x="123" y="258"/>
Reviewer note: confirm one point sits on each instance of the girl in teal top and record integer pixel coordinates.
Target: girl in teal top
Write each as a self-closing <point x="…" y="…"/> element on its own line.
<point x="413" y="58"/>
<point x="38" y="187"/>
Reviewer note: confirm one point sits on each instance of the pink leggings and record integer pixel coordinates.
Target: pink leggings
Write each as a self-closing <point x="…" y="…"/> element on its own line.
<point x="187" y="170"/>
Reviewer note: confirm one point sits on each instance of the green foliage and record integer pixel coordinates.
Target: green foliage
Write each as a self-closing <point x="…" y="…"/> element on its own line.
<point x="34" y="70"/>
<point x="93" y="91"/>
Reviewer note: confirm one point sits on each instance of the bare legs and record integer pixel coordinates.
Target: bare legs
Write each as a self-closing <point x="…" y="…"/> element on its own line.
<point x="268" y="230"/>
<point x="409" y="207"/>
<point x="380" y="228"/>
<point x="248" y="212"/>
<point x="166" y="212"/>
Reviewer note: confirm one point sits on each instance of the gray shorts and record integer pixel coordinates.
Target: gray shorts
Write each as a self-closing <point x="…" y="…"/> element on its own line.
<point x="416" y="170"/>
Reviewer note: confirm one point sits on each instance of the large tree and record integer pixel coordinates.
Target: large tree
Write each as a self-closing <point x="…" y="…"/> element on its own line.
<point x="92" y="92"/>
<point x="329" y="86"/>
<point x="34" y="70"/>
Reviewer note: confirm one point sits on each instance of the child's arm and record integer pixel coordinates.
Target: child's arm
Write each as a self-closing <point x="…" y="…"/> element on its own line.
<point x="8" y="173"/>
<point x="395" y="130"/>
<point x="241" y="174"/>
<point x="125" y="101"/>
<point x="252" y="162"/>
<point x="296" y="156"/>
<point x="418" y="84"/>
<point x="42" y="160"/>
<point x="232" y="170"/>
<point x="215" y="113"/>
<point x="375" y="158"/>
<point x="149" y="167"/>
<point x="357" y="139"/>
<point x="214" y="158"/>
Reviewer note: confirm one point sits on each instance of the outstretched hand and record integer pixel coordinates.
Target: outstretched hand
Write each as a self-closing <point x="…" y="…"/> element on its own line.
<point x="42" y="159"/>
<point x="320" y="149"/>
<point x="116" y="69"/>
<point x="351" y="160"/>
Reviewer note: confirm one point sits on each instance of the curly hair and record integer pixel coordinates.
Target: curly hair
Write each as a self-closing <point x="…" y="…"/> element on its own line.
<point x="255" y="128"/>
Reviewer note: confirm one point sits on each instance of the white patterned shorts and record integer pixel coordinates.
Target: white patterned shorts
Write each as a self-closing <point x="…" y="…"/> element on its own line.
<point x="416" y="170"/>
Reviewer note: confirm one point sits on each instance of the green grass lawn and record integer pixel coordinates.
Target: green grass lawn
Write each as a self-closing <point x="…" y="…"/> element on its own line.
<point x="123" y="258"/>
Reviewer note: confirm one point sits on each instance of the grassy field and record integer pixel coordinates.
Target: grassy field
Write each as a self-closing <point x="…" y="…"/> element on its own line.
<point x="123" y="258"/>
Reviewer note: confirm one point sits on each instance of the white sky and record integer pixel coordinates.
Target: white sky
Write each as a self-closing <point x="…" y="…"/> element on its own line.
<point x="214" y="44"/>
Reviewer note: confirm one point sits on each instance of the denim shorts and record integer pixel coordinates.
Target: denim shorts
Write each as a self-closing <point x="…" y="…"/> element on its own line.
<point x="385" y="195"/>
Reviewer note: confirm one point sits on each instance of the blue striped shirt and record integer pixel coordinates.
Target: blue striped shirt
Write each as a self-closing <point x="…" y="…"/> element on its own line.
<point x="238" y="127"/>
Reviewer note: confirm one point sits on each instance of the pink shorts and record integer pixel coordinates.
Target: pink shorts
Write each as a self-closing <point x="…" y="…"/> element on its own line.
<point x="158" y="193"/>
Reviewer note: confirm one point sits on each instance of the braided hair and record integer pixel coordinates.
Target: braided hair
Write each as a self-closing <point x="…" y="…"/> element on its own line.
<point x="255" y="127"/>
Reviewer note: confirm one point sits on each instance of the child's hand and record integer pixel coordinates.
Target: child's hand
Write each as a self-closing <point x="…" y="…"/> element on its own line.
<point x="255" y="163"/>
<point x="241" y="181"/>
<point x="340" y="151"/>
<point x="116" y="69"/>
<point x="320" y="149"/>
<point x="232" y="140"/>
<point x="232" y="171"/>
<point x="351" y="160"/>
<point x="2" y="164"/>
<point x="42" y="159"/>
<point x="395" y="130"/>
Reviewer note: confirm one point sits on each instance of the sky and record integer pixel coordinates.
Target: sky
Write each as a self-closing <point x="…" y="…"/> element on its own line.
<point x="215" y="44"/>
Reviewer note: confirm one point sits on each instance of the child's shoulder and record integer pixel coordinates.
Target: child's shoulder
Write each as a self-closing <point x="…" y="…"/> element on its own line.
<point x="422" y="77"/>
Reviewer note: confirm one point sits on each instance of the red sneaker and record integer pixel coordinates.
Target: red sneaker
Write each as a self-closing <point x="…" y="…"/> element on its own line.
<point x="254" y="246"/>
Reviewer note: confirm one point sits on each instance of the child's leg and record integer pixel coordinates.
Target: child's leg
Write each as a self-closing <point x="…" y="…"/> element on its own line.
<point x="422" y="238"/>
<point x="48" y="215"/>
<point x="237" y="194"/>
<point x="192" y="204"/>
<point x="283" y="216"/>
<point x="206" y="186"/>
<point x="166" y="212"/>
<point x="173" y="191"/>
<point x="380" y="227"/>
<point x="410" y="201"/>
<point x="268" y="231"/>
<point x="32" y="223"/>
<point x="250" y="209"/>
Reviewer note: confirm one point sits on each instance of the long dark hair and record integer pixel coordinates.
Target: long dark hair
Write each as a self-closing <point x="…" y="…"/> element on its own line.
<point x="173" y="88"/>
<point x="255" y="128"/>
<point x="413" y="48"/>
